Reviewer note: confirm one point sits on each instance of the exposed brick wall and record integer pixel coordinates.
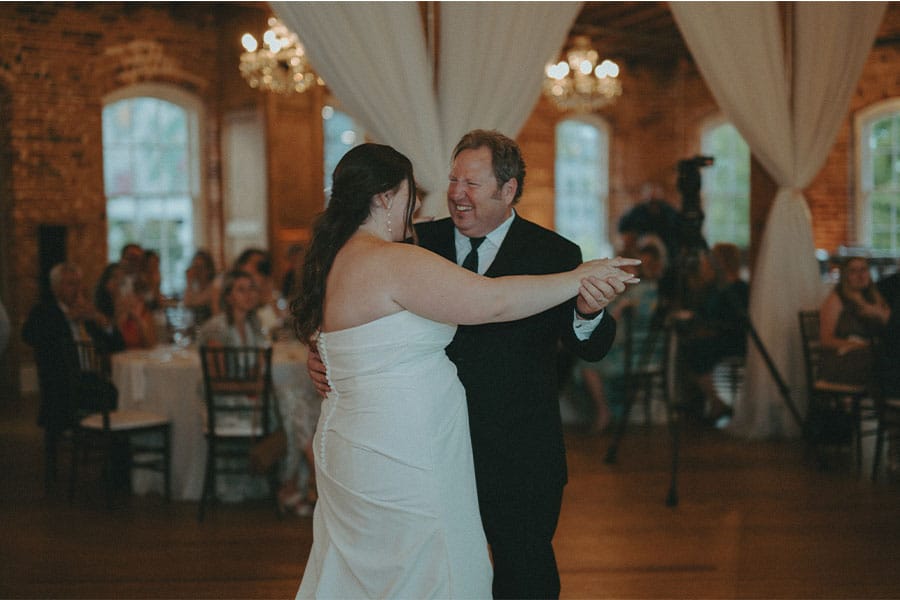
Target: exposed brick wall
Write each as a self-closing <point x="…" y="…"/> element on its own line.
<point x="832" y="195"/>
<point x="657" y="121"/>
<point x="57" y="63"/>
<point x="652" y="126"/>
<point x="59" y="60"/>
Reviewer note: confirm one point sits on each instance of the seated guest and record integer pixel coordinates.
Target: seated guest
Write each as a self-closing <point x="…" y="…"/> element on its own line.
<point x="290" y="285"/>
<point x="200" y="291"/>
<point x="258" y="263"/>
<point x="51" y="328"/>
<point x="4" y="328"/>
<point x="853" y="313"/>
<point x="604" y="381"/>
<point x="107" y="293"/>
<point x="889" y="361"/>
<point x="237" y="324"/>
<point x="149" y="288"/>
<point x="123" y="309"/>
<point x="131" y="259"/>
<point x="296" y="497"/>
<point x="149" y="282"/>
<point x="718" y="329"/>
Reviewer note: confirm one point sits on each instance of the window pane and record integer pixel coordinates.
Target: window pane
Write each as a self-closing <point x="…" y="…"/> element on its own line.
<point x="117" y="170"/>
<point x="341" y="133"/>
<point x="172" y="125"/>
<point x="582" y="187"/>
<point x="117" y="123"/>
<point x="148" y="182"/>
<point x="726" y="187"/>
<point x="880" y="190"/>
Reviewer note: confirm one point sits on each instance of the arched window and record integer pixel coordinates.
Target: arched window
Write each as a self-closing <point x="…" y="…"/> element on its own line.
<point x="726" y="185"/>
<point x="341" y="134"/>
<point x="878" y="180"/>
<point x="582" y="185"/>
<point x="151" y="176"/>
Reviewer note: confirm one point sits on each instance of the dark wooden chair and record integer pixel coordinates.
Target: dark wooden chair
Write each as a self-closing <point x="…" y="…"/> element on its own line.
<point x="888" y="411"/>
<point x="645" y="377"/>
<point x="644" y="365"/>
<point x="835" y="411"/>
<point x="102" y="431"/>
<point x="240" y="413"/>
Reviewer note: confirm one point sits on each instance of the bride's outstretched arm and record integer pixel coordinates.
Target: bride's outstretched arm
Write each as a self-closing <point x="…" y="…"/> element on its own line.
<point x="430" y="286"/>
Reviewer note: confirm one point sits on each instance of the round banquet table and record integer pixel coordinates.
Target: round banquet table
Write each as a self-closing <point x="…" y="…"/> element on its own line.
<point x="168" y="380"/>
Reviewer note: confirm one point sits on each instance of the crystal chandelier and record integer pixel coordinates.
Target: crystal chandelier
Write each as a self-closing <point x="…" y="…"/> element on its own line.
<point x="578" y="83"/>
<point x="280" y="66"/>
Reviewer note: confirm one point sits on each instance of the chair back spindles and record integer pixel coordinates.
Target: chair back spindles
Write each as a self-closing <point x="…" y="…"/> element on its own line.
<point x="835" y="411"/>
<point x="101" y="425"/>
<point x="240" y="410"/>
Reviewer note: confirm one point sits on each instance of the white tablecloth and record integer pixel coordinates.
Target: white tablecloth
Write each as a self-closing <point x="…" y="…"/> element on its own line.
<point x="168" y="380"/>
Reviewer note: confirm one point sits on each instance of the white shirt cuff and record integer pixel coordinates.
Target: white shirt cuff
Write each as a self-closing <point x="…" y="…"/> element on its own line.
<point x="585" y="327"/>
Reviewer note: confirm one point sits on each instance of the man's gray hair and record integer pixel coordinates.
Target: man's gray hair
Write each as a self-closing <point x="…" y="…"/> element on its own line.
<point x="57" y="272"/>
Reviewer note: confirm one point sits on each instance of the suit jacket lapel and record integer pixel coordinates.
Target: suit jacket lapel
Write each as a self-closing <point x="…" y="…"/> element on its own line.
<point x="445" y="242"/>
<point x="510" y="252"/>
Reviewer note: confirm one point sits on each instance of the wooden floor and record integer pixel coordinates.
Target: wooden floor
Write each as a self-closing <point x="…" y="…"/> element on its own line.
<point x="755" y="520"/>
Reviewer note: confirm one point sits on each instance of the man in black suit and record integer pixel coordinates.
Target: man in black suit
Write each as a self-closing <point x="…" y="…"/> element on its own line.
<point x="509" y="369"/>
<point x="51" y="329"/>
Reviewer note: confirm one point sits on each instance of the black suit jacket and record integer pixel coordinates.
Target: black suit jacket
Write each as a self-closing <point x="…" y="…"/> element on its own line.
<point x="47" y="330"/>
<point x="509" y="369"/>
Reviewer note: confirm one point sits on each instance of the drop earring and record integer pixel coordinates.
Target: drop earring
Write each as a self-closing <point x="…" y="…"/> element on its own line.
<point x="390" y="231"/>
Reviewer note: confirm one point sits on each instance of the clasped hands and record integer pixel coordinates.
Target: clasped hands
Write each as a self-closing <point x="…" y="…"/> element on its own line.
<point x="609" y="279"/>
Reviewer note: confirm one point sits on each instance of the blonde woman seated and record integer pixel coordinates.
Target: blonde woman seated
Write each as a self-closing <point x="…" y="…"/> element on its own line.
<point x="237" y="324"/>
<point x="852" y="314"/>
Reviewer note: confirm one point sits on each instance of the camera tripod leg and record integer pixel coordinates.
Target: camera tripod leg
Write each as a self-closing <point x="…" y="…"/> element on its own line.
<point x="672" y="496"/>
<point x="674" y="412"/>
<point x="631" y="387"/>
<point x="773" y="371"/>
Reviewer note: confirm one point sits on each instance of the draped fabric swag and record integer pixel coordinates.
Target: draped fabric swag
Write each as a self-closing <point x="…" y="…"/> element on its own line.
<point x="788" y="106"/>
<point x="373" y="56"/>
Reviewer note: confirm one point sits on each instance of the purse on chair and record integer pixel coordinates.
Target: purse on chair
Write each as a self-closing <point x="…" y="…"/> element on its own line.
<point x="269" y="450"/>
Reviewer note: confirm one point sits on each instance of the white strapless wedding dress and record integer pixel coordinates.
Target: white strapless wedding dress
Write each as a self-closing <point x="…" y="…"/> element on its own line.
<point x="397" y="515"/>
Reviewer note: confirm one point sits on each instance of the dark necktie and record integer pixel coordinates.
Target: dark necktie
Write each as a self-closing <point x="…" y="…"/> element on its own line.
<point x="471" y="261"/>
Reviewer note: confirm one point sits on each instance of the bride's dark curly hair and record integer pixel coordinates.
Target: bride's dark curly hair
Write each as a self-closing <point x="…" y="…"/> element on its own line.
<point x="363" y="172"/>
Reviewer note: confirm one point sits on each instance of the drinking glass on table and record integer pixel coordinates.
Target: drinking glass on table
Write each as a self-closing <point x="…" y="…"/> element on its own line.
<point x="181" y="319"/>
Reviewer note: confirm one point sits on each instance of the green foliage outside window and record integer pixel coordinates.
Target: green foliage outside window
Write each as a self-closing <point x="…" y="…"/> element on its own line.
<point x="581" y="174"/>
<point x="146" y="158"/>
<point x="881" y="179"/>
<point x="726" y="187"/>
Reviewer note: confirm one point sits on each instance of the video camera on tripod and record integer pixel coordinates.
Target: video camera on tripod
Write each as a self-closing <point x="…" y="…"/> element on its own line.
<point x="689" y="183"/>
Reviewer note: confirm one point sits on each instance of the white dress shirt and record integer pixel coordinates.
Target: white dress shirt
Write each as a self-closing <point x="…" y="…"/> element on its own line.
<point x="487" y="252"/>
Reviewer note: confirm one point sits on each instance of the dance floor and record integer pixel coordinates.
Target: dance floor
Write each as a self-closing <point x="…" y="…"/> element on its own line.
<point x="755" y="520"/>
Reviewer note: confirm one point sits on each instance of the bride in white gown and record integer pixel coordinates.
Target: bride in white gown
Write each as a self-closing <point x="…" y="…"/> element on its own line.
<point x="397" y="515"/>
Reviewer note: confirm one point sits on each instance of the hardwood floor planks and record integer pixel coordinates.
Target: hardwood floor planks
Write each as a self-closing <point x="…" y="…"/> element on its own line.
<point x="755" y="520"/>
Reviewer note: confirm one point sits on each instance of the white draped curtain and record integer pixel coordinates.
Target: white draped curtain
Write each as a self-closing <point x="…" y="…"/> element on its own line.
<point x="787" y="91"/>
<point x="374" y="58"/>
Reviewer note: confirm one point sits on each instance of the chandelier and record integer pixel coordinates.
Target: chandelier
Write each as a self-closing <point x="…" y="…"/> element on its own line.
<point x="280" y="66"/>
<point x="578" y="83"/>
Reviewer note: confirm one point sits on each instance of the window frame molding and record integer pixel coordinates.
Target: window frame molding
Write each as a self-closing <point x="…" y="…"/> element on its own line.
<point x="196" y="113"/>
<point x="706" y="126"/>
<point x="605" y="129"/>
<point x="862" y="184"/>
